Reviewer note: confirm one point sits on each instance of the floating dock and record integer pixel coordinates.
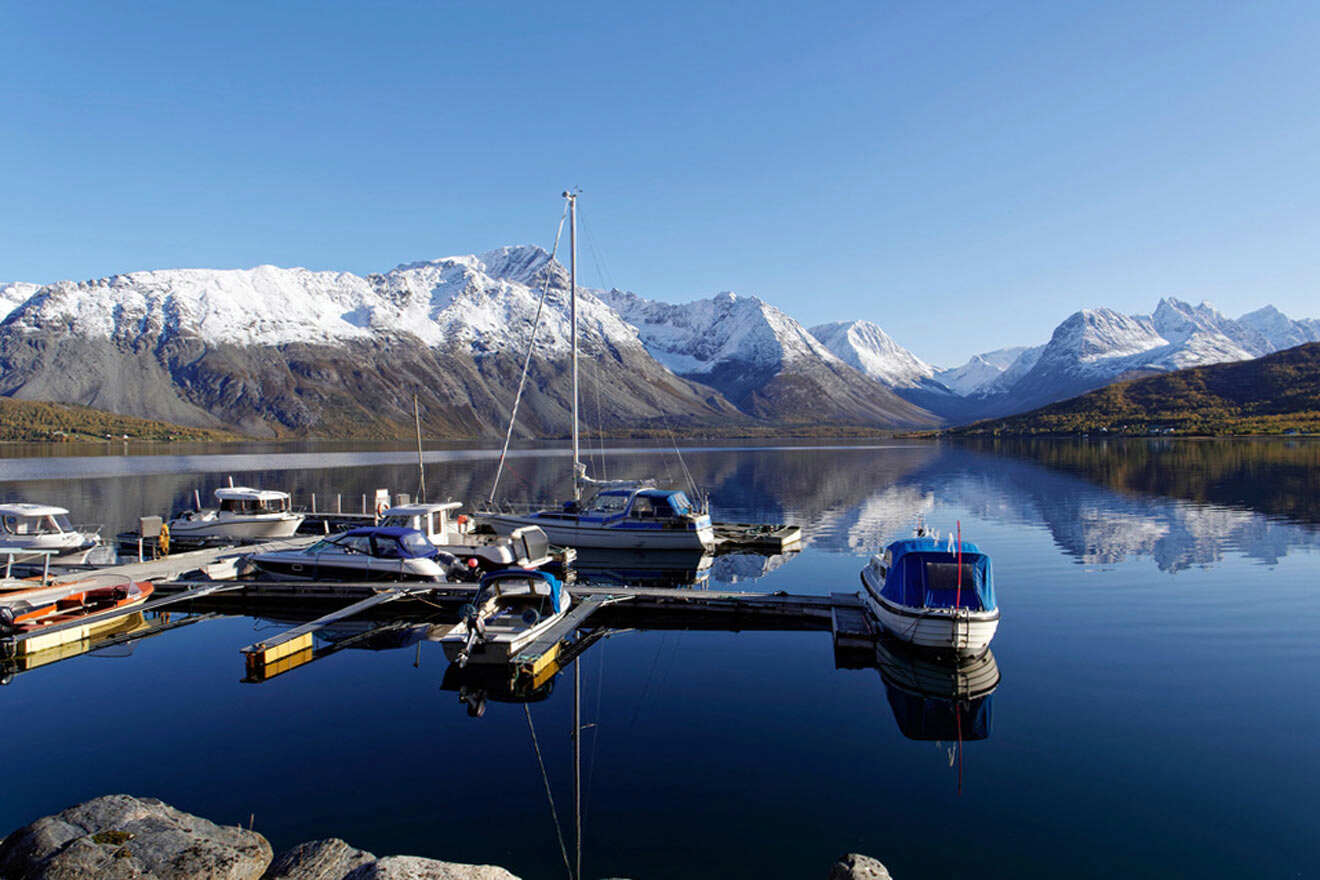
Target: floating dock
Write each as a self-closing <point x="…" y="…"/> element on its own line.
<point x="759" y="537"/>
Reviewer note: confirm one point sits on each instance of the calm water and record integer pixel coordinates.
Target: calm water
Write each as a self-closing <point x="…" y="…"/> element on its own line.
<point x="1156" y="715"/>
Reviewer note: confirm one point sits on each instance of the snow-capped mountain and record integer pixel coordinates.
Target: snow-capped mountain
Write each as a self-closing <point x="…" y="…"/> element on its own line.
<point x="272" y="350"/>
<point x="983" y="372"/>
<point x="761" y="359"/>
<point x="1279" y="330"/>
<point x="870" y="349"/>
<point x="13" y="294"/>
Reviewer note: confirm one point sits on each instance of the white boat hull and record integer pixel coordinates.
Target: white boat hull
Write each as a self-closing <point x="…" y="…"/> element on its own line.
<point x="238" y="528"/>
<point x="570" y="533"/>
<point x="958" y="630"/>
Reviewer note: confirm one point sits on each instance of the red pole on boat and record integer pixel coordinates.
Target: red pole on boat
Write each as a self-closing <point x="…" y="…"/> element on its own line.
<point x="957" y="597"/>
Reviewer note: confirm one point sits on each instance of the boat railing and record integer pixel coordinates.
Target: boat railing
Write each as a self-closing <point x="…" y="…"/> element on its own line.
<point x="27" y="553"/>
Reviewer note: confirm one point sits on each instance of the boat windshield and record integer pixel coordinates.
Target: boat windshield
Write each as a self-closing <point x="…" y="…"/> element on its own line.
<point x="399" y="520"/>
<point x="415" y="544"/>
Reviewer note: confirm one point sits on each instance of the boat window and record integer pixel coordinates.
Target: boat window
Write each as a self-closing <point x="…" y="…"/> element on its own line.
<point x="415" y="543"/>
<point x="386" y="547"/>
<point x="398" y="520"/>
<point x="438" y="522"/>
<point x="609" y="503"/>
<point x="30" y="525"/>
<point x="239" y="505"/>
<point x="62" y="522"/>
<point x="642" y="507"/>
<point x="11" y="525"/>
<point x="680" y="503"/>
<point x="356" y="543"/>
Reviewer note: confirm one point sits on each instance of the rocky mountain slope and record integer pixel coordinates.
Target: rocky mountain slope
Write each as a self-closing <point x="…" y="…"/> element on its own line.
<point x="273" y="351"/>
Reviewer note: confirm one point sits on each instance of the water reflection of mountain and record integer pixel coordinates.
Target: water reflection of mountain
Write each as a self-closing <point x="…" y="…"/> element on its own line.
<point x="1089" y="521"/>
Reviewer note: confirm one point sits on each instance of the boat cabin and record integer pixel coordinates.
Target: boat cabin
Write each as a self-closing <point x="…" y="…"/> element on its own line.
<point x="922" y="573"/>
<point x="245" y="501"/>
<point x="638" y="504"/>
<point x="28" y="520"/>
<point x="432" y="520"/>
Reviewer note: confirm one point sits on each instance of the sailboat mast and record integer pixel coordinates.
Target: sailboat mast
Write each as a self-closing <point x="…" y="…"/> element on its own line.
<point x="572" y="312"/>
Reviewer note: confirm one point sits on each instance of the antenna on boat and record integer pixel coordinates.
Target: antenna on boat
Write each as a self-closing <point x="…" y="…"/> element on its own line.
<point x="571" y="196"/>
<point x="421" y="468"/>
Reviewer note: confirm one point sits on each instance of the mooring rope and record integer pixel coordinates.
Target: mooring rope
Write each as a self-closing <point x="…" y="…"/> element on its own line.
<point x="545" y="777"/>
<point x="527" y="359"/>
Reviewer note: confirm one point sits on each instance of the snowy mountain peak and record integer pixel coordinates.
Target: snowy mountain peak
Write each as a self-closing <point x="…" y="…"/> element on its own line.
<point x="13" y="294"/>
<point x="523" y="264"/>
<point x="701" y="337"/>
<point x="867" y="347"/>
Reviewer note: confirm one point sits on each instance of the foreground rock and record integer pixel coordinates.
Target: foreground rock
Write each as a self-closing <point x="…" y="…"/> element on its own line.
<point x="331" y="859"/>
<point x="118" y="836"/>
<point x="413" y="868"/>
<point x="855" y="866"/>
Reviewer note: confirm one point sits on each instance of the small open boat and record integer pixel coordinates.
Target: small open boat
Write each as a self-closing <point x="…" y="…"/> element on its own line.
<point x="27" y="610"/>
<point x="933" y="595"/>
<point x="511" y="609"/>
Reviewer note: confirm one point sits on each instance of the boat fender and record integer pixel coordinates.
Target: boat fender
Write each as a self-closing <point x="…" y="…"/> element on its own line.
<point x="6" y="617"/>
<point x="531" y="616"/>
<point x="472" y="562"/>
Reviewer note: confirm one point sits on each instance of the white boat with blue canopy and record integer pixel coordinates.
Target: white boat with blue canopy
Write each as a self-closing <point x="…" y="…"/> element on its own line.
<point x="619" y="514"/>
<point x="934" y="595"/>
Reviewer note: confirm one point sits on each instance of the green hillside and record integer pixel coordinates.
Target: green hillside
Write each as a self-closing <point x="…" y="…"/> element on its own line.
<point x="36" y="420"/>
<point x="1275" y="394"/>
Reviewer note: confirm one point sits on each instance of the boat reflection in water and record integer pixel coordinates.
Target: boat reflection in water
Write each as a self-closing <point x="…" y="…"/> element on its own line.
<point x="477" y="684"/>
<point x="938" y="699"/>
<point x="644" y="568"/>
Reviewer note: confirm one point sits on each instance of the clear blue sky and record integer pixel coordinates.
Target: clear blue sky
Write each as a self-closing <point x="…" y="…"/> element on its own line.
<point x="966" y="175"/>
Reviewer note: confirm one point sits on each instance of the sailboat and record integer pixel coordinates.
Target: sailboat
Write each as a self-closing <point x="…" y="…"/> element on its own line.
<point x="616" y="514"/>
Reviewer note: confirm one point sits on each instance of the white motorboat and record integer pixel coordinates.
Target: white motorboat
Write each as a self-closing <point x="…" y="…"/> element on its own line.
<point x="525" y="547"/>
<point x="370" y="553"/>
<point x="43" y="528"/>
<point x="242" y="513"/>
<point x="622" y="514"/>
<point x="511" y="609"/>
<point x="933" y="595"/>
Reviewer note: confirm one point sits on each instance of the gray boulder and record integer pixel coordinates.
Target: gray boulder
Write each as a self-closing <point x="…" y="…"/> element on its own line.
<point x="855" y="866"/>
<point x="118" y="837"/>
<point x="413" y="868"/>
<point x="317" y="860"/>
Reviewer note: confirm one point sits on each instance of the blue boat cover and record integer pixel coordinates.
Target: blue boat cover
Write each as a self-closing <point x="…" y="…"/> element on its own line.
<point x="924" y="574"/>
<point x="523" y="573"/>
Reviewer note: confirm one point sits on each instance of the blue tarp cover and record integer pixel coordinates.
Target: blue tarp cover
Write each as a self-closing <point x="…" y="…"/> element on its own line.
<point x="924" y="574"/>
